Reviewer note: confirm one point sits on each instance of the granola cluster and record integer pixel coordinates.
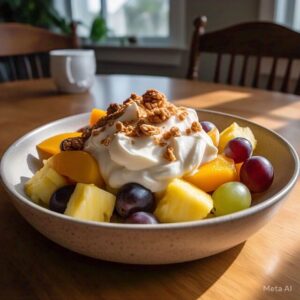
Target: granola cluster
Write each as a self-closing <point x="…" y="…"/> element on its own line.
<point x="153" y="109"/>
<point x="169" y="154"/>
<point x="74" y="144"/>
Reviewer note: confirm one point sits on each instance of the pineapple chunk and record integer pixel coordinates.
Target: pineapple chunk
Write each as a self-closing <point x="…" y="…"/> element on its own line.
<point x="43" y="184"/>
<point x="88" y="202"/>
<point x="234" y="131"/>
<point x="183" y="202"/>
<point x="215" y="136"/>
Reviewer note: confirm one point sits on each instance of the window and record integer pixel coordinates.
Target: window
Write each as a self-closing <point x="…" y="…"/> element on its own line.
<point x="284" y="12"/>
<point x="85" y="11"/>
<point x="151" y="22"/>
<point x="140" y="18"/>
<point x="288" y="13"/>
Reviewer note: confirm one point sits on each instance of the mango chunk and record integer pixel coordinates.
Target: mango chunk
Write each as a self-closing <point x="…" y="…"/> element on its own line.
<point x="183" y="202"/>
<point x="234" y="131"/>
<point x="78" y="166"/>
<point x="91" y="203"/>
<point x="214" y="173"/>
<point x="96" y="114"/>
<point x="51" y="146"/>
<point x="238" y="169"/>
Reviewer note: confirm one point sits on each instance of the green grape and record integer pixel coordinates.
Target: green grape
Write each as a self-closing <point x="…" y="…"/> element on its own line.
<point x="231" y="197"/>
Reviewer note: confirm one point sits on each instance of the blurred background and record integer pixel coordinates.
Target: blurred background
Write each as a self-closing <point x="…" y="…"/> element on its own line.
<point x="150" y="37"/>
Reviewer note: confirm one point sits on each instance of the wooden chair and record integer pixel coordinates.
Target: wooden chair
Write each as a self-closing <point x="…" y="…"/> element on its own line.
<point x="258" y="39"/>
<point x="24" y="50"/>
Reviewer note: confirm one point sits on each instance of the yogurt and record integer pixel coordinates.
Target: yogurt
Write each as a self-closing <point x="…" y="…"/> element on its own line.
<point x="151" y="160"/>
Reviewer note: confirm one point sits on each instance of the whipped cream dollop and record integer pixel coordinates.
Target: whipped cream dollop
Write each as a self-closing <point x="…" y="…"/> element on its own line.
<point x="149" y="141"/>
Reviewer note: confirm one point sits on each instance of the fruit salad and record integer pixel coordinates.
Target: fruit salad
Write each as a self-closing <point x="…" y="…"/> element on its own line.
<point x="147" y="161"/>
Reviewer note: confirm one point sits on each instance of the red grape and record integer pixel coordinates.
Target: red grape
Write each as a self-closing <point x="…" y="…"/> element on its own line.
<point x="207" y="126"/>
<point x="141" y="217"/>
<point x="133" y="197"/>
<point x="257" y="174"/>
<point x="59" y="199"/>
<point x="238" y="149"/>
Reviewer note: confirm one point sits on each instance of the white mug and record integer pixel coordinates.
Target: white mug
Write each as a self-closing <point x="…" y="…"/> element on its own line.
<point x="72" y="70"/>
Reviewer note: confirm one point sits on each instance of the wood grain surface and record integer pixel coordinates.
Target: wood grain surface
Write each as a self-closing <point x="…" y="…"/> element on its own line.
<point x="267" y="266"/>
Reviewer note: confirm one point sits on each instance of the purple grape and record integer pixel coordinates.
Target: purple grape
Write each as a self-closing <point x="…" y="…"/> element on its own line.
<point x="207" y="126"/>
<point x="59" y="199"/>
<point x="141" y="217"/>
<point x="238" y="149"/>
<point x="257" y="174"/>
<point x="133" y="197"/>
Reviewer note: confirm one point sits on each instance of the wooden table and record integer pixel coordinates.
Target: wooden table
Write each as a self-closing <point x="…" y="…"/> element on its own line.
<point x="32" y="267"/>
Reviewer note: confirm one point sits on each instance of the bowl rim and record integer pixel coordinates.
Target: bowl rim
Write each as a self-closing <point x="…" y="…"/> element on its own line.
<point x="166" y="226"/>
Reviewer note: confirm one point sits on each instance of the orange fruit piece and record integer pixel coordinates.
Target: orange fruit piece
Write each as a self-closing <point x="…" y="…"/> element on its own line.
<point x="238" y="169"/>
<point x="78" y="166"/>
<point x="51" y="146"/>
<point x="214" y="173"/>
<point x="96" y="114"/>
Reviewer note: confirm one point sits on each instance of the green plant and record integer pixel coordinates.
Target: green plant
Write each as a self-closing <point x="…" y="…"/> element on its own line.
<point x="41" y="13"/>
<point x="38" y="13"/>
<point x="98" y="30"/>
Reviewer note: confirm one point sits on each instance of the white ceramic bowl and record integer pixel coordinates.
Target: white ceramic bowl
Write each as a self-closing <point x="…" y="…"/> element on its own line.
<point x="144" y="244"/>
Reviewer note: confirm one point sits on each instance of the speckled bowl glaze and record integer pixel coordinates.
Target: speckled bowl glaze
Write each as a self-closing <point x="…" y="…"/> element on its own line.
<point x="155" y="244"/>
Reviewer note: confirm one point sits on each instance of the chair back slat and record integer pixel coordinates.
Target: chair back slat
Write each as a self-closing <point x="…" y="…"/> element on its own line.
<point x="3" y="73"/>
<point x="199" y="25"/>
<point x="255" y="39"/>
<point x="45" y="64"/>
<point x="12" y="67"/>
<point x="244" y="70"/>
<point x="271" y="80"/>
<point x="24" y="46"/>
<point x="218" y="68"/>
<point x="230" y="69"/>
<point x="297" y="88"/>
<point x="286" y="78"/>
<point x="27" y="67"/>
<point x="38" y="66"/>
<point x="256" y="72"/>
<point x="21" y="39"/>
